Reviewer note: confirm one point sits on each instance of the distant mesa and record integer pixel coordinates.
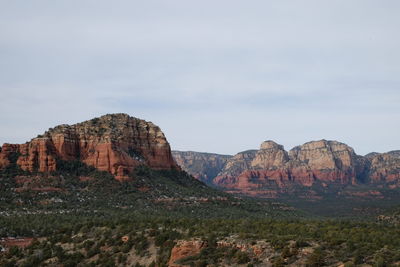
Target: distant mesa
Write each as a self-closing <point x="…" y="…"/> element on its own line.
<point x="116" y="143"/>
<point x="272" y="170"/>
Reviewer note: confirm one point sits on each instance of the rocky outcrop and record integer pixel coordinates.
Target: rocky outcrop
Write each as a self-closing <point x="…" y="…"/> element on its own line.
<point x="116" y="143"/>
<point x="234" y="167"/>
<point x="184" y="249"/>
<point x="385" y="168"/>
<point x="202" y="166"/>
<point x="8" y="153"/>
<point x="270" y="156"/>
<point x="326" y="161"/>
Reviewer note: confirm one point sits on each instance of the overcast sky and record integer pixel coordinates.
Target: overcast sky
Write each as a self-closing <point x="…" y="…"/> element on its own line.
<point x="217" y="76"/>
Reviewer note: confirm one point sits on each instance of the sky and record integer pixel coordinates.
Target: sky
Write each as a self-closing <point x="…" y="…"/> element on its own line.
<point x="217" y="76"/>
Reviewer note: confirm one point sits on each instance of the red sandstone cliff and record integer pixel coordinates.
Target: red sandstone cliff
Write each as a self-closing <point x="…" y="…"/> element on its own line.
<point x="271" y="169"/>
<point x="325" y="161"/>
<point x="184" y="249"/>
<point x="116" y="143"/>
<point x="385" y="168"/>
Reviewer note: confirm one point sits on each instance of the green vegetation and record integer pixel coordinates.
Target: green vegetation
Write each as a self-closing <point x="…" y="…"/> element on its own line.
<point x="76" y="237"/>
<point x="76" y="186"/>
<point x="78" y="216"/>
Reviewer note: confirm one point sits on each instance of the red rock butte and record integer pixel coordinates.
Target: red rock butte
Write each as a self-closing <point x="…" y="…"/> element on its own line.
<point x="116" y="143"/>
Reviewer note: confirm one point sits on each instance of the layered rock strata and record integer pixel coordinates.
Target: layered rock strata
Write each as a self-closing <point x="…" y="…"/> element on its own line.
<point x="384" y="167"/>
<point x="325" y="161"/>
<point x="263" y="171"/>
<point x="116" y="143"/>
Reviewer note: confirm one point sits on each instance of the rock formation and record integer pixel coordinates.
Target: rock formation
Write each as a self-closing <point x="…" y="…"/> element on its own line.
<point x="271" y="169"/>
<point x="317" y="161"/>
<point x="184" y="249"/>
<point x="326" y="161"/>
<point x="234" y="167"/>
<point x="271" y="155"/>
<point x="385" y="167"/>
<point x="6" y="153"/>
<point x="202" y="166"/>
<point x="116" y="143"/>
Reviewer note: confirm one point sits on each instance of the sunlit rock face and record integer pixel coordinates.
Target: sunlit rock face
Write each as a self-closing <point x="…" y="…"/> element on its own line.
<point x="116" y="143"/>
<point x="385" y="167"/>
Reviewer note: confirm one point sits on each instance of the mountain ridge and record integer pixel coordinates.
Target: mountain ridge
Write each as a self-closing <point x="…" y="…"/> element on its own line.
<point x="119" y="143"/>
<point x="322" y="161"/>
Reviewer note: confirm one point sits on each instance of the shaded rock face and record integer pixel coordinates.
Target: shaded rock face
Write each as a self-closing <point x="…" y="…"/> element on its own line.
<point x="6" y="152"/>
<point x="116" y="143"/>
<point x="202" y="166"/>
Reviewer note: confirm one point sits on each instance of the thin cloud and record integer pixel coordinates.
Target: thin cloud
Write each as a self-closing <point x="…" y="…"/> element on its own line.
<point x="217" y="76"/>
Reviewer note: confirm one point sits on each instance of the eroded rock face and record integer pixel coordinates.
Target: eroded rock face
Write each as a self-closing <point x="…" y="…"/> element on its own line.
<point x="185" y="249"/>
<point x="6" y="152"/>
<point x="385" y="167"/>
<point x="202" y="166"/>
<point x="116" y="143"/>
<point x="234" y="167"/>
<point x="323" y="162"/>
<point x="270" y="156"/>
<point x="327" y="161"/>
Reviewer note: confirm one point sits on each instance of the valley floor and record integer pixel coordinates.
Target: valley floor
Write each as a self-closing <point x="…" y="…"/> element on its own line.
<point x="125" y="238"/>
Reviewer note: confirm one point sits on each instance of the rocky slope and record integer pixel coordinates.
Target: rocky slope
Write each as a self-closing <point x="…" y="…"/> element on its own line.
<point x="202" y="166"/>
<point x="116" y="143"/>
<point x="384" y="167"/>
<point x="272" y="169"/>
